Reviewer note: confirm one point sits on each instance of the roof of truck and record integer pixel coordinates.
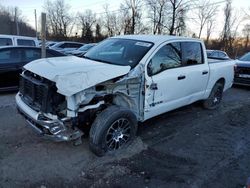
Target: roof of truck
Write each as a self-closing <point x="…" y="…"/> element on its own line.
<point x="17" y="36"/>
<point x="156" y="39"/>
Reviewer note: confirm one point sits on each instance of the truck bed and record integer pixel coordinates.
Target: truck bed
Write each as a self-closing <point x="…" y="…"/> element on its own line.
<point x="212" y="60"/>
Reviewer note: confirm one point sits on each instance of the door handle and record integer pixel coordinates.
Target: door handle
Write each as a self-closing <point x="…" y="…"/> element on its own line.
<point x="204" y="72"/>
<point x="153" y="86"/>
<point x="181" y="77"/>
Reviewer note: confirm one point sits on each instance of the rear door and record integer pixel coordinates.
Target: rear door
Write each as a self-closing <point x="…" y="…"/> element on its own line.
<point x="10" y="60"/>
<point x="196" y="69"/>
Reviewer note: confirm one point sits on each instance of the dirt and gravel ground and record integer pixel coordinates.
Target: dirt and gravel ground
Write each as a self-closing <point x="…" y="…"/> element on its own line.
<point x="189" y="147"/>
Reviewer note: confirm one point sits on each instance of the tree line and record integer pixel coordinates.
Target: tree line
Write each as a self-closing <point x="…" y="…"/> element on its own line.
<point x="10" y="19"/>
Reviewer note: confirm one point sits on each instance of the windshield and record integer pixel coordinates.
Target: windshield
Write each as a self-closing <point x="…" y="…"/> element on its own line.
<point x="86" y="47"/>
<point x="119" y="51"/>
<point x="209" y="53"/>
<point x="245" y="57"/>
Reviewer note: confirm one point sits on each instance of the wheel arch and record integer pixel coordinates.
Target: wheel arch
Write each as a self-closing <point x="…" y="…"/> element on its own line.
<point x="221" y="80"/>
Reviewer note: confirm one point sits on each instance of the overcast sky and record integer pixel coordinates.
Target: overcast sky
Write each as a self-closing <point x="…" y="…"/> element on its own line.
<point x="27" y="7"/>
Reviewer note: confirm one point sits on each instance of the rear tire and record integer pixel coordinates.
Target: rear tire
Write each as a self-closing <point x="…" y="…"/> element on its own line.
<point x="215" y="97"/>
<point x="113" y="128"/>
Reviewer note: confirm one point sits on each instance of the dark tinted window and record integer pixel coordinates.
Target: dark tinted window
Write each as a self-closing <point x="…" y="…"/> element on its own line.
<point x="50" y="53"/>
<point x="64" y="45"/>
<point x="73" y="45"/>
<point x="25" y="42"/>
<point x="169" y="56"/>
<point x="5" y="42"/>
<point x="191" y="53"/>
<point x="32" y="54"/>
<point x="10" y="56"/>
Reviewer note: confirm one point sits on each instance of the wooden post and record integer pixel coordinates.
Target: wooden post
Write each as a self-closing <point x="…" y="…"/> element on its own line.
<point x="17" y="28"/>
<point x="43" y="34"/>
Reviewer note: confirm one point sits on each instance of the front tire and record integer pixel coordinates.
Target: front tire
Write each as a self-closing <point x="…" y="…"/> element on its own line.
<point x="215" y="97"/>
<point x="113" y="129"/>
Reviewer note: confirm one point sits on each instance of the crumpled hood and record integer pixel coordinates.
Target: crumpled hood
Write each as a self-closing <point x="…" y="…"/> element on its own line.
<point x="72" y="74"/>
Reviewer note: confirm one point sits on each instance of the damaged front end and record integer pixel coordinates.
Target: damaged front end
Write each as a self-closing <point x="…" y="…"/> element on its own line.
<point x="64" y="118"/>
<point x="44" y="109"/>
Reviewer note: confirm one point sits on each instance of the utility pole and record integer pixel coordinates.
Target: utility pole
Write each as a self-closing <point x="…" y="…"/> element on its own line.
<point x="132" y="30"/>
<point x="43" y="34"/>
<point x="16" y="21"/>
<point x="36" y="23"/>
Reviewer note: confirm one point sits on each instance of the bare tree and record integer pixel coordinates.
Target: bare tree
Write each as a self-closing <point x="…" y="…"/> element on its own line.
<point x="206" y="11"/>
<point x="210" y="27"/>
<point x="230" y="29"/>
<point x="86" y="21"/>
<point x="180" y="22"/>
<point x="246" y="32"/>
<point x="177" y="19"/>
<point x="157" y="13"/>
<point x="226" y="32"/>
<point x="112" y="22"/>
<point x="59" y="19"/>
<point x="133" y="20"/>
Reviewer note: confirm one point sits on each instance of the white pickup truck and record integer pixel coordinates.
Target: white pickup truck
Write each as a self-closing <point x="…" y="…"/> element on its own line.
<point x="120" y="82"/>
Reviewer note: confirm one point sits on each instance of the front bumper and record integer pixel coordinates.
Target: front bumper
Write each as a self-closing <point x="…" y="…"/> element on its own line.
<point x="53" y="129"/>
<point x="242" y="81"/>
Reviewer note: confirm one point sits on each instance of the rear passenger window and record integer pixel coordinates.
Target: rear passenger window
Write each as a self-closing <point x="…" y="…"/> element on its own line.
<point x="169" y="56"/>
<point x="73" y="45"/>
<point x="25" y="42"/>
<point x="5" y="42"/>
<point x="191" y="53"/>
<point x="221" y="54"/>
<point x="76" y="45"/>
<point x="10" y="56"/>
<point x="64" y="45"/>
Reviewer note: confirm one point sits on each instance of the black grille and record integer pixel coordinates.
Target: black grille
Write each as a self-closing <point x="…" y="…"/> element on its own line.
<point x="243" y="70"/>
<point x="244" y="81"/>
<point x="34" y="91"/>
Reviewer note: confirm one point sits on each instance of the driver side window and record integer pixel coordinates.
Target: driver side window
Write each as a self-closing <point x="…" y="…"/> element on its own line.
<point x="169" y="56"/>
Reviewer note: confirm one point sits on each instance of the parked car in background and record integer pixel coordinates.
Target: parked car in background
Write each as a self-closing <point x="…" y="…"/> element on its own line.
<point x="48" y="44"/>
<point x="66" y="46"/>
<point x="118" y="83"/>
<point x="12" y="59"/>
<point x="82" y="50"/>
<point x="15" y="40"/>
<point x="217" y="54"/>
<point x="242" y="70"/>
